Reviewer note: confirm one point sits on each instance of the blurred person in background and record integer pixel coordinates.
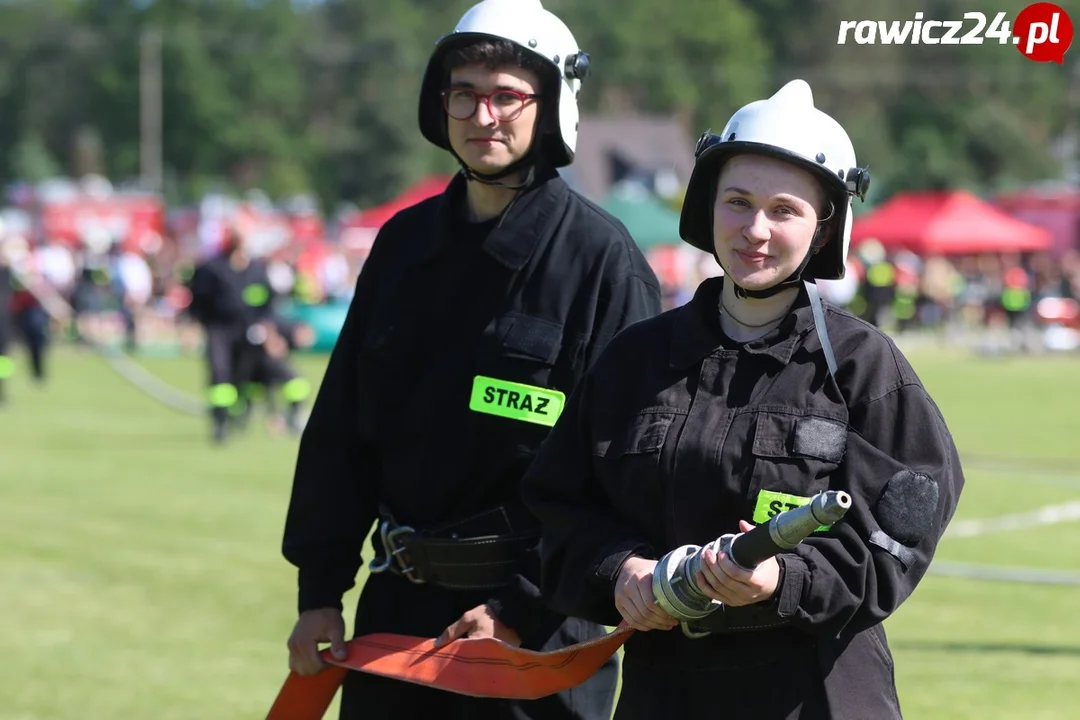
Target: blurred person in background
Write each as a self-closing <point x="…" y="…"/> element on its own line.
<point x="232" y="298"/>
<point x="939" y="286"/>
<point x="474" y="317"/>
<point x="1016" y="295"/>
<point x="991" y="275"/>
<point x="1070" y="275"/>
<point x="265" y="374"/>
<point x="57" y="265"/>
<point x="129" y="287"/>
<point x="879" y="283"/>
<point x="753" y="398"/>
<point x="84" y="299"/>
<point x="7" y="289"/>
<point x="30" y="319"/>
<point x="334" y="275"/>
<point x="974" y="293"/>
<point x="282" y="275"/>
<point x="907" y="290"/>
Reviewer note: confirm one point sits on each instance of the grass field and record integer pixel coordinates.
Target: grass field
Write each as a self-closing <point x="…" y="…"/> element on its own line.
<point x="140" y="574"/>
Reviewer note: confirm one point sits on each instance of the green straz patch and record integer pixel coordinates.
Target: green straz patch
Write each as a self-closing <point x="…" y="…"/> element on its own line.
<point x="516" y="401"/>
<point x="770" y="504"/>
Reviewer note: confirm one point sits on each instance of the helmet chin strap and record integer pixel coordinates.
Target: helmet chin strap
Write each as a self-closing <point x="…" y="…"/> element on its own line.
<point x="495" y="179"/>
<point x="792" y="280"/>
<point x="525" y="165"/>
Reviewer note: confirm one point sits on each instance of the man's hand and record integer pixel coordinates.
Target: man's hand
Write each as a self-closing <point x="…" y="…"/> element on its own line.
<point x="634" y="597"/>
<point x="723" y="580"/>
<point x="480" y="622"/>
<point x="313" y="627"/>
<point x="276" y="345"/>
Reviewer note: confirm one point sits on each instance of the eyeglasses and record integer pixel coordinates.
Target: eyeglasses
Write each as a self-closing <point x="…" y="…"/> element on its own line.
<point x="503" y="105"/>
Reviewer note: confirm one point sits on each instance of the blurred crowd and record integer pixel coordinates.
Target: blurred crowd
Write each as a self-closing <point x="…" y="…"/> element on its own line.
<point x="901" y="291"/>
<point x="118" y="292"/>
<point x="119" y="286"/>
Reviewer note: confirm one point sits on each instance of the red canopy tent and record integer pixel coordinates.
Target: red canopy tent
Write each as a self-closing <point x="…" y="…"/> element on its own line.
<point x="947" y="223"/>
<point x="377" y="216"/>
<point x="358" y="231"/>
<point x="1056" y="209"/>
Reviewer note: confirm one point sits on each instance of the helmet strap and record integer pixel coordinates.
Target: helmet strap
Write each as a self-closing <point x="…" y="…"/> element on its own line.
<point x="525" y="166"/>
<point x="792" y="280"/>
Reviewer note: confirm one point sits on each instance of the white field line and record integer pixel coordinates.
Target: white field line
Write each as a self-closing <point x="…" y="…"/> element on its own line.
<point x="1049" y="515"/>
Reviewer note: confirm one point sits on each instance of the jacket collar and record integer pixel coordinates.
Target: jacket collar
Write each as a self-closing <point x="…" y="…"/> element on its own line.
<point x="524" y="224"/>
<point x="696" y="331"/>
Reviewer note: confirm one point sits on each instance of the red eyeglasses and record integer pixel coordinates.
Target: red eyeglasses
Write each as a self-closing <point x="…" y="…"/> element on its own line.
<point x="503" y="105"/>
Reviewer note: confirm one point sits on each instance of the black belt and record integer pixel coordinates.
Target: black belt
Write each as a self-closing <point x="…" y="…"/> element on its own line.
<point x="482" y="552"/>
<point x="729" y="620"/>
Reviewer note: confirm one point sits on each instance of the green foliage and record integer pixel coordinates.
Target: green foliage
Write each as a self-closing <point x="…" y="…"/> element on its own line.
<point x="32" y="161"/>
<point x="322" y="95"/>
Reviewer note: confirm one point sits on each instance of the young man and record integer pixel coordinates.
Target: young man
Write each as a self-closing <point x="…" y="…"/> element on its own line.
<point x="476" y="314"/>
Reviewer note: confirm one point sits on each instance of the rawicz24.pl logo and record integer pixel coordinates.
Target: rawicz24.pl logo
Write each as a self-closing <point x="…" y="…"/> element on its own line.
<point x="1041" y="32"/>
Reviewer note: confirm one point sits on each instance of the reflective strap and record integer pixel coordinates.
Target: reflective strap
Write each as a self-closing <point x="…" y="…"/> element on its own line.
<point x="256" y="295"/>
<point x="881" y="274"/>
<point x="7" y="367"/>
<point x="819" y="324"/>
<point x="223" y="395"/>
<point x="1015" y="299"/>
<point x="296" y="390"/>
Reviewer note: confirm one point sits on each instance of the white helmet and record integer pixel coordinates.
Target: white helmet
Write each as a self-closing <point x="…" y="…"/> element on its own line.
<point x="527" y="24"/>
<point x="786" y="126"/>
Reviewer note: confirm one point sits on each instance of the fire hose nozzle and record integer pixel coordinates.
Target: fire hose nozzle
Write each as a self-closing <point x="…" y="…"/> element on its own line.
<point x="674" y="578"/>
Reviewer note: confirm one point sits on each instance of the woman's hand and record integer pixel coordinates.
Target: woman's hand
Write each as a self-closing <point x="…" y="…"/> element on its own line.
<point x="721" y="579"/>
<point x="634" y="597"/>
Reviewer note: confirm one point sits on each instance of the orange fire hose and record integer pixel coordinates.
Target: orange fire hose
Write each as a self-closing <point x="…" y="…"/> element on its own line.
<point x="482" y="667"/>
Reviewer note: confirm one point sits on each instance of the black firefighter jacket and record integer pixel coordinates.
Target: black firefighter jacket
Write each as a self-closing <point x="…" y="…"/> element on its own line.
<point x="534" y="302"/>
<point x="677" y="433"/>
<point x="226" y="298"/>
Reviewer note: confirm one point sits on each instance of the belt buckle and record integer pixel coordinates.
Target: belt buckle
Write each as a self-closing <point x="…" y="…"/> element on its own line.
<point x="394" y="552"/>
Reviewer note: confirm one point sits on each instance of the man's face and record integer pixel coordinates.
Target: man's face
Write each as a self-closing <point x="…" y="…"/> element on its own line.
<point x="501" y="129"/>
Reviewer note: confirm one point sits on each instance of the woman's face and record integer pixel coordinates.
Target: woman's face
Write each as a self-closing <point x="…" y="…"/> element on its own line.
<point x="764" y="219"/>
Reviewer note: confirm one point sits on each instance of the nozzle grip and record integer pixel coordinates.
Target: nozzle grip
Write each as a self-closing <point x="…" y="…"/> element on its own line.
<point x="750" y="549"/>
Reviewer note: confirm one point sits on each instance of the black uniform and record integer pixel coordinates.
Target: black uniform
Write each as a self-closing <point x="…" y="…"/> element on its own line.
<point x="677" y="433"/>
<point x="31" y="321"/>
<point x="231" y="305"/>
<point x="447" y="315"/>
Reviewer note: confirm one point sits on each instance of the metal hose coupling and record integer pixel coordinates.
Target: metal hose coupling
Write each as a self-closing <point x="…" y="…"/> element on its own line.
<point x="674" y="579"/>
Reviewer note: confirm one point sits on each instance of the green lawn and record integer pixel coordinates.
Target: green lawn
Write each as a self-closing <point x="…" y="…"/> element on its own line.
<point x="140" y="575"/>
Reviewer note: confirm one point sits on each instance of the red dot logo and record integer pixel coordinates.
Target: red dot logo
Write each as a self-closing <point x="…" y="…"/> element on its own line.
<point x="1043" y="32"/>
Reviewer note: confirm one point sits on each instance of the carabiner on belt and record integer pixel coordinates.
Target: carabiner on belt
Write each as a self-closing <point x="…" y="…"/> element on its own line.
<point x="394" y="552"/>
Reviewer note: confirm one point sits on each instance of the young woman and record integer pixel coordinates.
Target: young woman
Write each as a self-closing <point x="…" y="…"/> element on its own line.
<point x="749" y="400"/>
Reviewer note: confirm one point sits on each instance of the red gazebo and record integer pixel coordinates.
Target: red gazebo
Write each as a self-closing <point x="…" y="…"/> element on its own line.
<point x="947" y="223"/>
<point x="359" y="230"/>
